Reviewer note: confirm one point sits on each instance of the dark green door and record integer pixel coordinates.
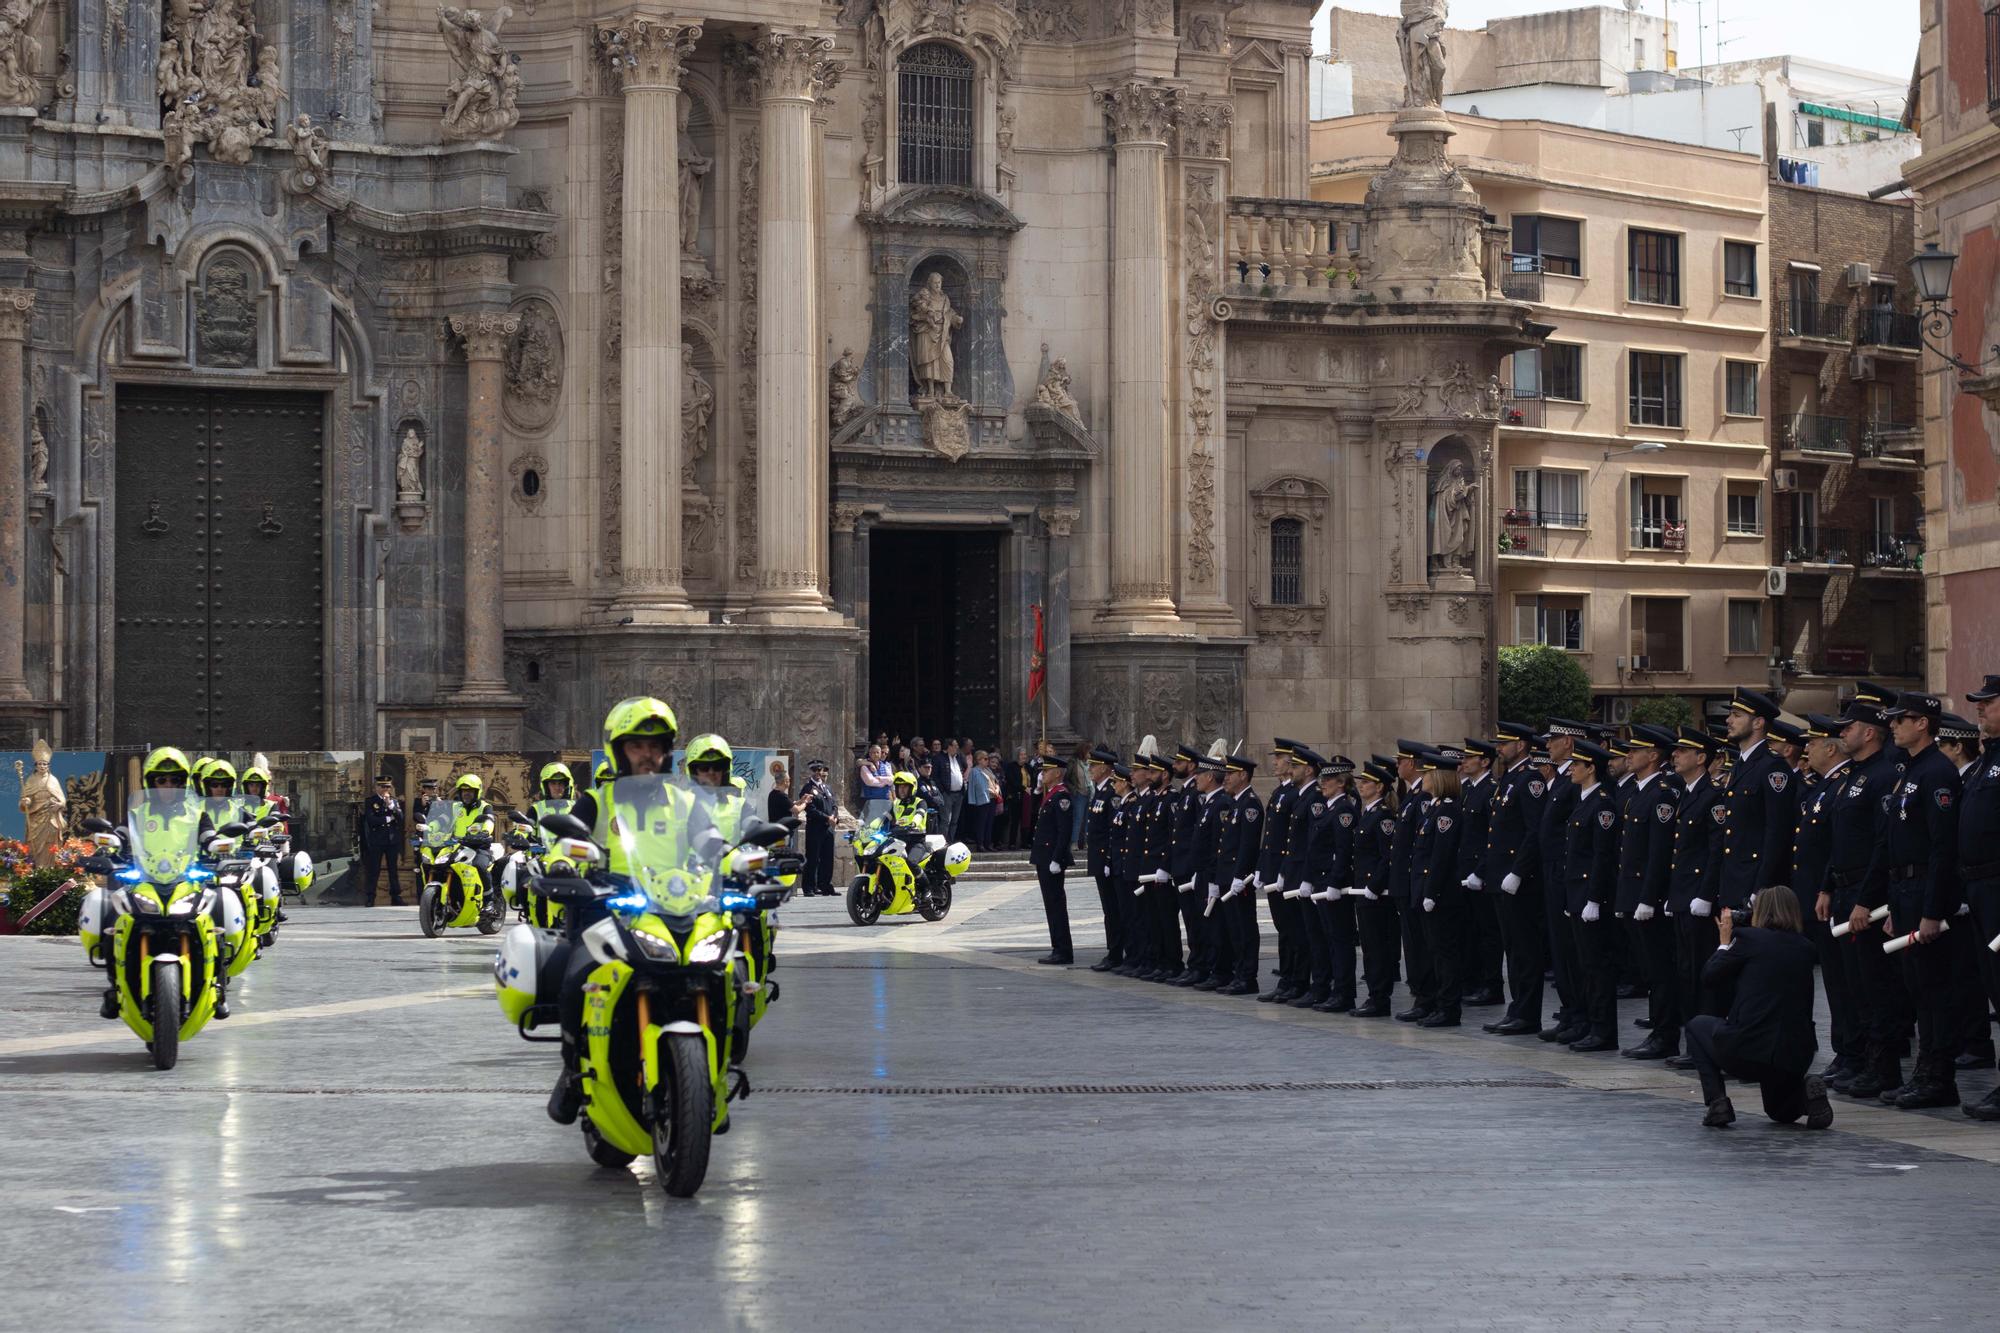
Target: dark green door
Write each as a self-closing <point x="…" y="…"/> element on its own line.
<point x="218" y="574"/>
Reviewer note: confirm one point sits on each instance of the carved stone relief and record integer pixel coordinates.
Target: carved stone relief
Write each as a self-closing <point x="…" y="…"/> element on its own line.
<point x="225" y="321"/>
<point x="218" y="82"/>
<point x="20" y="53"/>
<point x="480" y="101"/>
<point x="534" y="364"/>
<point x="530" y="475"/>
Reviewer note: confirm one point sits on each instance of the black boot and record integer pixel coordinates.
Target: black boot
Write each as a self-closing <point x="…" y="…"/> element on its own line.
<point x="1721" y="1115"/>
<point x="1935" y="1084"/>
<point x="566" y="1098"/>
<point x="1986" y="1109"/>
<point x="108" y="1007"/>
<point x="1882" y="1071"/>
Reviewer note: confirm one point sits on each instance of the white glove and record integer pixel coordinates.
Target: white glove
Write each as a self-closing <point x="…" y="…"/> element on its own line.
<point x="1643" y="912"/>
<point x="1326" y="895"/>
<point x="1214" y="893"/>
<point x="1701" y="907"/>
<point x="1055" y="867"/>
<point x="1187" y="887"/>
<point x="1162" y="877"/>
<point x="1236" y="885"/>
<point x="1256" y="881"/>
<point x="1591" y="912"/>
<point x="1305" y="890"/>
<point x="1371" y="895"/>
<point x="1473" y="882"/>
<point x="1430" y="905"/>
<point x="1511" y="884"/>
<point x="1963" y="908"/>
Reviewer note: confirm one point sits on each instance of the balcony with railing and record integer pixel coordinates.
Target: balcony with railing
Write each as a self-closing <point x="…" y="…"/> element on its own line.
<point x="1527" y="532"/>
<point x="1812" y="321"/>
<point x="1809" y="546"/>
<point x="1887" y="330"/>
<point x="1296" y="249"/>
<point x="1809" y="433"/>
<point x="1894" y="446"/>
<point x="1521" y="279"/>
<point x="1523" y="410"/>
<point x="1892" y="553"/>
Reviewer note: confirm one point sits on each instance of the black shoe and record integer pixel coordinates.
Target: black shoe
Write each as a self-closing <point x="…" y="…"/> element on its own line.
<point x="108" y="1006"/>
<point x="1987" y="1108"/>
<point x="1372" y="1009"/>
<point x="1244" y="987"/>
<point x="1311" y="999"/>
<point x="1482" y="997"/>
<point x="1151" y="973"/>
<point x="1642" y="1022"/>
<point x="566" y="1098"/>
<point x="1335" y="1005"/>
<point x="1189" y="979"/>
<point x="1440" y="1019"/>
<point x="1632" y="991"/>
<point x="1819" y="1111"/>
<point x="1055" y="960"/>
<point x="1680" y="1062"/>
<point x="1869" y="1083"/>
<point x="1653" y="1048"/>
<point x="1592" y="1045"/>
<point x="1721" y="1115"/>
<point x="282" y="918"/>
<point x="1554" y="1031"/>
<point x="394" y="902"/>
<point x="1212" y="983"/>
<point x="1926" y="1093"/>
<point x="1974" y="1060"/>
<point x="1416" y="1013"/>
<point x="1127" y="970"/>
<point x="1572" y="1034"/>
<point x="1513" y="1027"/>
<point x="1278" y="995"/>
<point x="1105" y="964"/>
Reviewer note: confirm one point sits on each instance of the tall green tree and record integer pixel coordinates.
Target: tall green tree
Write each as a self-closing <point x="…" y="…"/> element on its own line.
<point x="1538" y="682"/>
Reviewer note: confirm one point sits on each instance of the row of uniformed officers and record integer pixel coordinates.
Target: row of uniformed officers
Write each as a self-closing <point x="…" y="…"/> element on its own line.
<point x="1474" y="871"/>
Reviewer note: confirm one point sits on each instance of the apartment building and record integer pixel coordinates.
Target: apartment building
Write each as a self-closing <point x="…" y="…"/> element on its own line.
<point x="1848" y="479"/>
<point x="1634" y="461"/>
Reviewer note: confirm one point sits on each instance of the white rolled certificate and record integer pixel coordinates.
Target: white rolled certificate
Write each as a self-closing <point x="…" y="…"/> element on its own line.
<point x="1902" y="942"/>
<point x="1847" y="927"/>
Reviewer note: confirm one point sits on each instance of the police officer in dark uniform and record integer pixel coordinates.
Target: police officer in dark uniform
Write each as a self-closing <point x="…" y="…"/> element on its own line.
<point x="1120" y="845"/>
<point x="1572" y="1019"/>
<point x="1269" y="875"/>
<point x="1920" y="849"/>
<point x="1590" y="882"/>
<point x="1097" y="858"/>
<point x="1761" y="805"/>
<point x="1211" y="965"/>
<point x="1856" y="884"/>
<point x="1185" y="810"/>
<point x="1511" y="871"/>
<point x="1645" y="874"/>
<point x="1812" y="851"/>
<point x="1142" y="952"/>
<point x="1477" y="788"/>
<point x="382" y="832"/>
<point x="1436" y="883"/>
<point x="1313" y="955"/>
<point x="1419" y="970"/>
<point x="821" y="807"/>
<point x="1237" y="861"/>
<point x="1958" y="738"/>
<point x="1161" y="899"/>
<point x="1051" y="854"/>
<point x="1375" y="912"/>
<point x="1697" y="833"/>
<point x="1329" y="870"/>
<point x="1979" y="847"/>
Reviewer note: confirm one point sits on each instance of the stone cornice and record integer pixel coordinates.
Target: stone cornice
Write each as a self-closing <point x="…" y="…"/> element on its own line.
<point x="644" y="51"/>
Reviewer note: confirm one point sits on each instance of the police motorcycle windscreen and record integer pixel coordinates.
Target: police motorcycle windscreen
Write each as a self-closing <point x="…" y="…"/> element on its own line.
<point x="664" y="830"/>
<point x="163" y="828"/>
<point x="437" y="826"/>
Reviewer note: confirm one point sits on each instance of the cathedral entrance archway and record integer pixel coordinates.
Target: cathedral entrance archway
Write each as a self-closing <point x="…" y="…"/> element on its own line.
<point x="217" y="568"/>
<point x="934" y="633"/>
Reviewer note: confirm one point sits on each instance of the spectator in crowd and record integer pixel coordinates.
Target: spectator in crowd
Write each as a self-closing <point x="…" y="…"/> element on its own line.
<point x="1762" y="977"/>
<point x="949" y="771"/>
<point x="979" y="803"/>
<point x="1022" y="793"/>
<point x="778" y="806"/>
<point x="871" y="784"/>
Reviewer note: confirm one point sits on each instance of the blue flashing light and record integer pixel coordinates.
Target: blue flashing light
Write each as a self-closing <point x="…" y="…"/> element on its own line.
<point x="738" y="902"/>
<point x="131" y="875"/>
<point x="629" y="902"/>
<point x="197" y="875"/>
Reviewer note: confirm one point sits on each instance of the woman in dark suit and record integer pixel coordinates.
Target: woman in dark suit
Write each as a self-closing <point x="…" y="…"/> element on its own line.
<point x="1762" y="977"/>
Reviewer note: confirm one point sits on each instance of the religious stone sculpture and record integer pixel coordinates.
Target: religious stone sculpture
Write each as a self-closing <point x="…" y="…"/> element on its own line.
<point x="1452" y="520"/>
<point x="19" y="52"/>
<point x="42" y="802"/>
<point x="208" y="91"/>
<point x="694" y="166"/>
<point x="311" y="154"/>
<point x="932" y="322"/>
<point x="480" y="103"/>
<point x="842" y="393"/>
<point x="38" y="460"/>
<point x="697" y="406"/>
<point x="1054" y="391"/>
<point x="409" y="466"/>
<point x="1420" y="39"/>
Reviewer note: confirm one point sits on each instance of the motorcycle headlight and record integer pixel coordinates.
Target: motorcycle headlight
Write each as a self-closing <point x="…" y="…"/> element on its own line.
<point x="185" y="907"/>
<point x="656" y="947"/>
<point x="713" y="949"/>
<point x="131" y="875"/>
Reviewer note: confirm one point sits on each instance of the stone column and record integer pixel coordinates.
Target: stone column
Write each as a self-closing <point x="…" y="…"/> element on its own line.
<point x="1059" y="521"/>
<point x="1140" y="117"/>
<point x="17" y="307"/>
<point x="486" y="335"/>
<point x="792" y="69"/>
<point x="644" y="55"/>
<point x="844" y="556"/>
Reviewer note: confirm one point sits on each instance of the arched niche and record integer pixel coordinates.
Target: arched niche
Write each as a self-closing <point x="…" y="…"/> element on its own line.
<point x="1453" y="509"/>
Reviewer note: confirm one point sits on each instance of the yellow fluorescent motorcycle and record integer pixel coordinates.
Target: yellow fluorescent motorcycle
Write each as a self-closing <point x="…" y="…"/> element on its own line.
<point x="454" y="891"/>
<point x="665" y="937"/>
<point x="164" y="927"/>
<point x="899" y="875"/>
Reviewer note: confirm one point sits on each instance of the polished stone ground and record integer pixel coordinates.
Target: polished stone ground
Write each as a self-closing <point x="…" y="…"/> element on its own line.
<point x="944" y="1135"/>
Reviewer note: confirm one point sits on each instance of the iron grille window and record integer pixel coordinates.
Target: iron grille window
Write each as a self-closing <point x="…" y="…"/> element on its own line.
<point x="1656" y="267"/>
<point x="934" y="116"/>
<point x="1288" y="551"/>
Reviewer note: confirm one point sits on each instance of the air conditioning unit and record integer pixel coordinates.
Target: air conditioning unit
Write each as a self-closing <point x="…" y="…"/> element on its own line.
<point x="1785" y="478"/>
<point x="1861" y="365"/>
<point x="1774" y="581"/>
<point x="1642" y="664"/>
<point x="1859" y="275"/>
<point x="1620" y="711"/>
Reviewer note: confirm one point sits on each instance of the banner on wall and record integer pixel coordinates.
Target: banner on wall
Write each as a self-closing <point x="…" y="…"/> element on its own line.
<point x="82" y="774"/>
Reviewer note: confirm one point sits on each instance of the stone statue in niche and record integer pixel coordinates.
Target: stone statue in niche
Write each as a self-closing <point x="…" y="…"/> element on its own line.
<point x="1452" y="520"/>
<point x="1054" y="391"/>
<point x="410" y="466"/>
<point x="843" y="396"/>
<point x="932" y="323"/>
<point x="694" y="166"/>
<point x="19" y="52"/>
<point x="38" y="460"/>
<point x="481" y="101"/>
<point x="1420" y="39"/>
<point x="697" y="407"/>
<point x="225" y="323"/>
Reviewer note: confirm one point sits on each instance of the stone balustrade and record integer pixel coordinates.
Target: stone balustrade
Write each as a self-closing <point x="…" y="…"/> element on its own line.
<point x="1296" y="248"/>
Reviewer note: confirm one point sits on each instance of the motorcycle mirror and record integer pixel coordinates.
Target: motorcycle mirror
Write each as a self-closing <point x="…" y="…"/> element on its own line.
<point x="566" y="826"/>
<point x="234" y="829"/>
<point x="96" y="824"/>
<point x="98" y="865"/>
<point x="791" y="823"/>
<point x="761" y="833"/>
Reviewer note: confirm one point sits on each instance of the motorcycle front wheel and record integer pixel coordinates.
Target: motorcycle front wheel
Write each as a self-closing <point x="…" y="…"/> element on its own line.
<point x="430" y="911"/>
<point x="166" y="1013"/>
<point x="601" y="1152"/>
<point x="861" y="905"/>
<point x="682" y="1129"/>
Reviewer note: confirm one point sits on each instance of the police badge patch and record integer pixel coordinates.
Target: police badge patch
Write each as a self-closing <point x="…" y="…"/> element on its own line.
<point x="1444" y="823"/>
<point x="1606" y="818"/>
<point x="1664" y="813"/>
<point x="1943" y="798"/>
<point x="1778" y="781"/>
<point x="1319" y="807"/>
<point x="1535" y="786"/>
<point x="1346" y="820"/>
<point x="1720" y="813"/>
<point x="1251" y="814"/>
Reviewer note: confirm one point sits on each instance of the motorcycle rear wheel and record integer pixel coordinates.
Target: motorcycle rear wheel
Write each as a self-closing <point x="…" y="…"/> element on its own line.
<point x="861" y="906"/>
<point x="430" y="912"/>
<point x="682" y="1130"/>
<point x="937" y="901"/>
<point x="166" y="1041"/>
<point x="601" y="1152"/>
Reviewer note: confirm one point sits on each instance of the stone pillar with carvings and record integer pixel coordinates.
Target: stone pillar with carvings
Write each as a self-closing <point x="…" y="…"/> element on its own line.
<point x="1141" y="119"/>
<point x="485" y="334"/>
<point x="844" y="555"/>
<point x="1204" y="190"/>
<point x="644" y="55"/>
<point x="792" y="70"/>
<point x="17" y="308"/>
<point x="1058" y="521"/>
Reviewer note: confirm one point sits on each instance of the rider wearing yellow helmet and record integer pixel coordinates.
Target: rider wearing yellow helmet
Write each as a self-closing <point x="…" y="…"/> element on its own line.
<point x="711" y="763"/>
<point x="908" y="815"/>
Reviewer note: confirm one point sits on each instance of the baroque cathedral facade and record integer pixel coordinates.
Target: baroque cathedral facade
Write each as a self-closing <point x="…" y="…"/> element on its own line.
<point x="409" y="376"/>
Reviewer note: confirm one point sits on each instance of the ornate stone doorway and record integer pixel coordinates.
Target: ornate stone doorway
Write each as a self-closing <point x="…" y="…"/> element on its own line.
<point x="934" y="662"/>
<point x="219" y="640"/>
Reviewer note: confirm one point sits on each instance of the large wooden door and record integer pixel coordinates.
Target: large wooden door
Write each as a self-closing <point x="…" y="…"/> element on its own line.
<point x="934" y="633"/>
<point x="219" y="584"/>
